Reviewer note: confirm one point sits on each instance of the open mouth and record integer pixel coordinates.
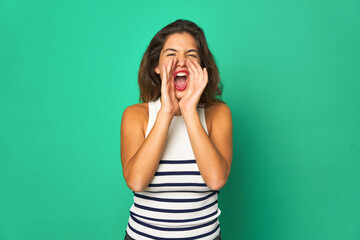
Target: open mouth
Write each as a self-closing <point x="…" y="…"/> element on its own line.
<point x="180" y="79"/>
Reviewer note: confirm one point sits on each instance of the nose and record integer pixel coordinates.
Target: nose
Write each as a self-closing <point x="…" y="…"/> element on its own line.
<point x="181" y="60"/>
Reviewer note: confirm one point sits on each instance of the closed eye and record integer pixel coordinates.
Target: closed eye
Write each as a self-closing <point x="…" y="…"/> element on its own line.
<point x="172" y="54"/>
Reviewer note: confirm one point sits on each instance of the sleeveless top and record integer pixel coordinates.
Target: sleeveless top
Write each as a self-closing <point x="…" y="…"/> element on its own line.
<point x="177" y="204"/>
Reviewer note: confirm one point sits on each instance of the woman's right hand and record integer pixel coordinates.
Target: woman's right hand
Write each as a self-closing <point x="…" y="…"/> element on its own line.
<point x="140" y="155"/>
<point x="169" y="102"/>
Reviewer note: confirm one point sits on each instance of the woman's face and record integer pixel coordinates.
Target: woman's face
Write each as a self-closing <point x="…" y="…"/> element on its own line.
<point x="179" y="46"/>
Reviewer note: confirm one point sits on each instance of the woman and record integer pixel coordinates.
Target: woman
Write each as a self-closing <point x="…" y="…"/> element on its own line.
<point x="176" y="146"/>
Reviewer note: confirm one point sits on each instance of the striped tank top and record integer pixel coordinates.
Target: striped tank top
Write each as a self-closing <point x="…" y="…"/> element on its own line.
<point x="177" y="204"/>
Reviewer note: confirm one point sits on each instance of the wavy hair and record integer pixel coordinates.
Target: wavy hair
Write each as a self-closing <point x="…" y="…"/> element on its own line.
<point x="150" y="82"/>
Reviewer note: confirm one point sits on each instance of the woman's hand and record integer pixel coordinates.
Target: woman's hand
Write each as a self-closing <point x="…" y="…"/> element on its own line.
<point x="169" y="102"/>
<point x="198" y="79"/>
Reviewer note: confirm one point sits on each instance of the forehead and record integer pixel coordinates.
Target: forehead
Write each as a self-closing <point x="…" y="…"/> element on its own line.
<point x="180" y="41"/>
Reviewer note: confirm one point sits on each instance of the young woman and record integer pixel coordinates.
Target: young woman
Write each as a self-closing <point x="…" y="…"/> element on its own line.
<point x="176" y="146"/>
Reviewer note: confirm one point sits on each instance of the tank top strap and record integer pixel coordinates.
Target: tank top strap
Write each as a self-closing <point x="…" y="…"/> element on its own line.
<point x="154" y="107"/>
<point x="201" y="112"/>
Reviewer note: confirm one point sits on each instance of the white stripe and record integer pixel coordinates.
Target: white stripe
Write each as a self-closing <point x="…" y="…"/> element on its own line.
<point x="173" y="216"/>
<point x="189" y="188"/>
<point x="181" y="224"/>
<point x="135" y="235"/>
<point x="176" y="195"/>
<point x="173" y="234"/>
<point x="178" y="179"/>
<point x="175" y="205"/>
<point x="163" y="167"/>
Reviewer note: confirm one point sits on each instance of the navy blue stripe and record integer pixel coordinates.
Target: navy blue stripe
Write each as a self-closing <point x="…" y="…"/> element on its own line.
<point x="188" y="238"/>
<point x="177" y="161"/>
<point x="173" y="229"/>
<point x="176" y="220"/>
<point x="181" y="191"/>
<point x="174" y="200"/>
<point x="177" y="185"/>
<point x="175" y="210"/>
<point x="177" y="173"/>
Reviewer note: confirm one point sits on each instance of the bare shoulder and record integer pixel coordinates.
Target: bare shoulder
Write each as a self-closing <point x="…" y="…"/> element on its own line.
<point x="136" y="115"/>
<point x="218" y="113"/>
<point x="218" y="108"/>
<point x="137" y="109"/>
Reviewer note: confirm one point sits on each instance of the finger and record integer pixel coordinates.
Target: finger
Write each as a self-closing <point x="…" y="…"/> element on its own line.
<point x="197" y="65"/>
<point x="171" y="76"/>
<point x="206" y="76"/>
<point x="199" y="69"/>
<point x="200" y="72"/>
<point x="164" y="79"/>
<point x="193" y="71"/>
<point x="191" y="65"/>
<point x="170" y="71"/>
<point x="174" y="64"/>
<point x="169" y="66"/>
<point x="173" y="67"/>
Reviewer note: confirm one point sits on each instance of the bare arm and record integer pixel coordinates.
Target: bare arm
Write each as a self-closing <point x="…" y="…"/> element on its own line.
<point x="213" y="153"/>
<point x="139" y="156"/>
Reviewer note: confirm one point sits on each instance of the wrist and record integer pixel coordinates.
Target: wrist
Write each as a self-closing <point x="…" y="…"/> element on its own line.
<point x="187" y="106"/>
<point x="165" y="113"/>
<point x="189" y="112"/>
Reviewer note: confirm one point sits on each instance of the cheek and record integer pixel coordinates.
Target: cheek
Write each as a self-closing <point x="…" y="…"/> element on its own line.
<point x="168" y="59"/>
<point x="195" y="60"/>
<point x="164" y="62"/>
<point x="160" y="66"/>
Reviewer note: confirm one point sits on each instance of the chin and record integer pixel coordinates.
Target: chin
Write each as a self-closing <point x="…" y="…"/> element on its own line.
<point x="178" y="97"/>
<point x="179" y="94"/>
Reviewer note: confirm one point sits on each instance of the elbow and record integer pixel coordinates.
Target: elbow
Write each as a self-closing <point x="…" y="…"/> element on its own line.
<point x="135" y="185"/>
<point x="217" y="184"/>
<point x="217" y="180"/>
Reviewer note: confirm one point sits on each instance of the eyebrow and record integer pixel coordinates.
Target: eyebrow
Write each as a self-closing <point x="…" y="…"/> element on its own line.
<point x="172" y="49"/>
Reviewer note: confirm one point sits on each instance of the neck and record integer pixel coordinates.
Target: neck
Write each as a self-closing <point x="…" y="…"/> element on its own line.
<point x="178" y="113"/>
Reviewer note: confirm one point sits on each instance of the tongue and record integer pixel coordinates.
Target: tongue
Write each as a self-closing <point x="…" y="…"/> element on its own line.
<point x="180" y="81"/>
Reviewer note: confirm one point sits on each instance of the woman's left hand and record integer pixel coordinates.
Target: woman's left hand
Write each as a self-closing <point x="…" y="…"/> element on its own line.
<point x="197" y="81"/>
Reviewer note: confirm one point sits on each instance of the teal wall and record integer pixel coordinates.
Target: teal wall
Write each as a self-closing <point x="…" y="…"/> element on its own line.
<point x="291" y="77"/>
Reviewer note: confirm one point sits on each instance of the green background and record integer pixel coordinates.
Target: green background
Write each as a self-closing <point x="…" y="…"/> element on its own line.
<point x="291" y="72"/>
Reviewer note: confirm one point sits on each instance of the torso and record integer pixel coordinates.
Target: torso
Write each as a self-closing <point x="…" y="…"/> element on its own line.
<point x="143" y="110"/>
<point x="177" y="203"/>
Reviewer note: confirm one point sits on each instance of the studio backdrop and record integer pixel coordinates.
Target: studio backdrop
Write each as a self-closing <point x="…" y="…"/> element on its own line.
<point x="291" y="76"/>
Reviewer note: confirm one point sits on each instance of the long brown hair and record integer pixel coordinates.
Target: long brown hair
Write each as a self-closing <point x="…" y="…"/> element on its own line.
<point x="150" y="82"/>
